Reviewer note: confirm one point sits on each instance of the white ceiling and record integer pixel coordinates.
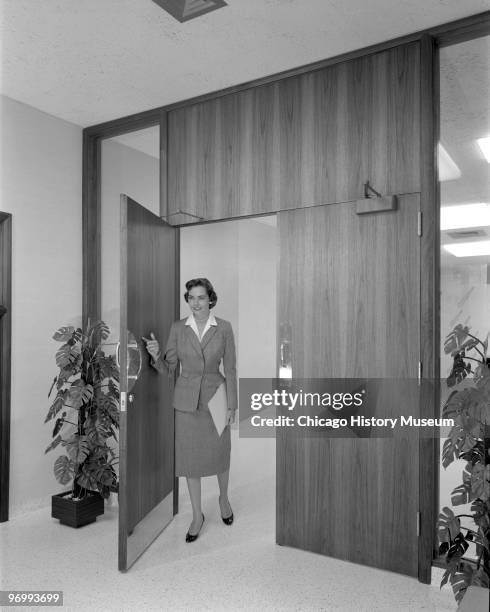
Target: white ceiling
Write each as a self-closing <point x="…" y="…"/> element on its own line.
<point x="88" y="61"/>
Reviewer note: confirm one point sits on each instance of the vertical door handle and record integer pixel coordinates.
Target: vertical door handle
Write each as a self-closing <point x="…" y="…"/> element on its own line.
<point x="285" y="352"/>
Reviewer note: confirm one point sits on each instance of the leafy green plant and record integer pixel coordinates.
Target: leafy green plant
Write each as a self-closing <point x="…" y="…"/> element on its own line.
<point x="468" y="441"/>
<point x="86" y="410"/>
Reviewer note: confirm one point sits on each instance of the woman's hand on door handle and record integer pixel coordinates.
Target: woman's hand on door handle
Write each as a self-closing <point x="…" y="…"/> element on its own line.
<point x="152" y="346"/>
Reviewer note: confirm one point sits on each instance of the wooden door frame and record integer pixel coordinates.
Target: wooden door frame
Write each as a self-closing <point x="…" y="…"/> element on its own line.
<point x="430" y="40"/>
<point x="5" y="360"/>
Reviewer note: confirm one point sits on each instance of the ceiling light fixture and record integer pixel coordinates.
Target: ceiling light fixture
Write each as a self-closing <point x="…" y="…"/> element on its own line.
<point x="465" y="215"/>
<point x="476" y="248"/>
<point x="484" y="144"/>
<point x="183" y="10"/>
<point x="448" y="170"/>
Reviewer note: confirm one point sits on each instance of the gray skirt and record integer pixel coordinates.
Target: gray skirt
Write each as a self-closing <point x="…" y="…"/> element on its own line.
<point x="199" y="451"/>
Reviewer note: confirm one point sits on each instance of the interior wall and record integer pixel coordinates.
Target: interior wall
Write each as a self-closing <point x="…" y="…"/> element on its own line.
<point x="240" y="259"/>
<point x="136" y="174"/>
<point x="41" y="186"/>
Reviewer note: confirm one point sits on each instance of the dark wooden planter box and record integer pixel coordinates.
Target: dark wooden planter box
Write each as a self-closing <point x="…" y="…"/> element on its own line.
<point x="76" y="513"/>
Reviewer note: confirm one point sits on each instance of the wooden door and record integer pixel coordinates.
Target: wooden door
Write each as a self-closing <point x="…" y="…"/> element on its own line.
<point x="349" y="292"/>
<point x="148" y="299"/>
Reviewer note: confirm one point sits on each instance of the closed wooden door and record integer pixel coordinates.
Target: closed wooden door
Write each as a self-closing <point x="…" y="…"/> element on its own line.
<point x="349" y="293"/>
<point x="148" y="289"/>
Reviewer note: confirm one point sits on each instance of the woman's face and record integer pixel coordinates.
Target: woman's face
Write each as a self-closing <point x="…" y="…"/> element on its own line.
<point x="198" y="301"/>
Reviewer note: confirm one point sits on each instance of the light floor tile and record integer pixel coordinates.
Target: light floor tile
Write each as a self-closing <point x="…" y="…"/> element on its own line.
<point x="227" y="568"/>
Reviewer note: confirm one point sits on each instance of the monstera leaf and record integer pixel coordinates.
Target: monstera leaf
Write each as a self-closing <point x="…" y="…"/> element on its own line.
<point x="479" y="488"/>
<point x="53" y="444"/>
<point x="481" y="513"/>
<point x="455" y="339"/>
<point x="63" y="334"/>
<point x="462" y="438"/>
<point x="459" y="371"/>
<point x="97" y="333"/>
<point x="97" y="477"/>
<point x="97" y="432"/>
<point x="474" y="454"/>
<point x="79" y="393"/>
<point x="64" y="469"/>
<point x="448" y="525"/>
<point x="56" y="406"/>
<point x="78" y="448"/>
<point x="68" y="356"/>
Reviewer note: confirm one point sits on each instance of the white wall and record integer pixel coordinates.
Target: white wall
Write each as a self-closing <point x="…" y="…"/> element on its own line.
<point x="239" y="258"/>
<point x="41" y="186"/>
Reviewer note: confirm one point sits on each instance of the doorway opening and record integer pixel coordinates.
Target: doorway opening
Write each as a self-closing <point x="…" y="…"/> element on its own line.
<point x="239" y="257"/>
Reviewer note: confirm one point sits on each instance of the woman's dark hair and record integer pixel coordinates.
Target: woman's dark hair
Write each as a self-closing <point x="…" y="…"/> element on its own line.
<point x="202" y="282"/>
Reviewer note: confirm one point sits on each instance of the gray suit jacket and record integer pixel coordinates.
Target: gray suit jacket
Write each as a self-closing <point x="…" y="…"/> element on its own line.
<point x="200" y="376"/>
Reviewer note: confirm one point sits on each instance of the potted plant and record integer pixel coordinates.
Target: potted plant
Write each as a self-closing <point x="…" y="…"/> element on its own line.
<point x="86" y="413"/>
<point x="468" y="441"/>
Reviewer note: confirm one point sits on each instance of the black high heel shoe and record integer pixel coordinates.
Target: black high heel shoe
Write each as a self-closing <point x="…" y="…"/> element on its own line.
<point x="229" y="519"/>
<point x="189" y="537"/>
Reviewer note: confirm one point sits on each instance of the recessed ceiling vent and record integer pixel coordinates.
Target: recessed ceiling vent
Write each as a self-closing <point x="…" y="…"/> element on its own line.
<point x="476" y="233"/>
<point x="183" y="10"/>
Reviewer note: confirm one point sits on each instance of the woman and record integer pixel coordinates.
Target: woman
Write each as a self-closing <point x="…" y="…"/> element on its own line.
<point x="199" y="343"/>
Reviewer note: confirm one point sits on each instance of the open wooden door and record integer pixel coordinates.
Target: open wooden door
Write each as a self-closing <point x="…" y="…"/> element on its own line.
<point x="148" y="299"/>
<point x="349" y="294"/>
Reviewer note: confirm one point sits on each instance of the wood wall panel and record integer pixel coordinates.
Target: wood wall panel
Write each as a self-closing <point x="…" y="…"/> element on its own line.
<point x="305" y="140"/>
<point x="430" y="306"/>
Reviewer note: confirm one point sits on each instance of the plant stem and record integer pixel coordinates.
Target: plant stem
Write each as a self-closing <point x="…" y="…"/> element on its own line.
<point x="472" y="359"/>
<point x="474" y="337"/>
<point x="466" y="515"/>
<point x="469" y="530"/>
<point x="478" y="340"/>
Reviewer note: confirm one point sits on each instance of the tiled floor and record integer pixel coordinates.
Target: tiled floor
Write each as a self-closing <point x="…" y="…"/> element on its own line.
<point x="227" y="568"/>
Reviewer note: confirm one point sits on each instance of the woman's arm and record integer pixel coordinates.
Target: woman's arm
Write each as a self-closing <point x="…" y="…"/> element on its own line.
<point x="170" y="359"/>
<point x="229" y="366"/>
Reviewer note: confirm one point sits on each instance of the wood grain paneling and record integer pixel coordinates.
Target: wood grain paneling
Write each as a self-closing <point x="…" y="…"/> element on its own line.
<point x="349" y="289"/>
<point x="429" y="302"/>
<point x="91" y="229"/>
<point x="148" y="288"/>
<point x="302" y="141"/>
<point x="5" y="357"/>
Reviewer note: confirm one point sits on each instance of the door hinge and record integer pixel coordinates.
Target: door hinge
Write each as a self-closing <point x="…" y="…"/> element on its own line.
<point x="123" y="401"/>
<point x="419" y="223"/>
<point x="418" y="524"/>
